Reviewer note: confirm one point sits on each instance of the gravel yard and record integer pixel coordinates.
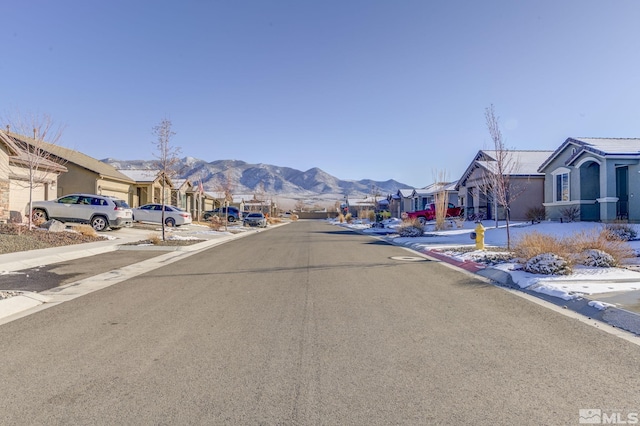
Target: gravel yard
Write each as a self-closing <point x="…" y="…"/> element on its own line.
<point x="17" y="238"/>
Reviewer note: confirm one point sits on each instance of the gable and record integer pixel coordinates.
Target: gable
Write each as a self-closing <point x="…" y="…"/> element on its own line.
<point x="525" y="162"/>
<point x="72" y="156"/>
<point x="572" y="148"/>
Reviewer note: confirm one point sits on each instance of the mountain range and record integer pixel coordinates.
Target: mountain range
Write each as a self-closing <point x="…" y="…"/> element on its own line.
<point x="242" y="177"/>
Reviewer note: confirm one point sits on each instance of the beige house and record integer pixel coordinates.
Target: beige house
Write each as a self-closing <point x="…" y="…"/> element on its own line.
<point x="84" y="174"/>
<point x="148" y="185"/>
<point x="16" y="186"/>
<point x="182" y="194"/>
<point x="526" y="182"/>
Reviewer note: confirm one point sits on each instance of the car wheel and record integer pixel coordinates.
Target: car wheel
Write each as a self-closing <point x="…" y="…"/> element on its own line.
<point x="39" y="215"/>
<point x="99" y="223"/>
<point x="422" y="220"/>
<point x="231" y="219"/>
<point x="170" y="221"/>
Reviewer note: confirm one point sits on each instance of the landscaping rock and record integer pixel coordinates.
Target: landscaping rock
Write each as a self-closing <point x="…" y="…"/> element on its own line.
<point x="53" y="225"/>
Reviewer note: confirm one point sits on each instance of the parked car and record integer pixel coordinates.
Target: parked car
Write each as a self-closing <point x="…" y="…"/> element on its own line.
<point x="255" y="219"/>
<point x="152" y="213"/>
<point x="100" y="211"/>
<point x="231" y="212"/>
<point x="429" y="213"/>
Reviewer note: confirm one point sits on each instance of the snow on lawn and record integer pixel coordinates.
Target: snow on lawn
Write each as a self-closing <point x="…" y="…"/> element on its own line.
<point x="583" y="280"/>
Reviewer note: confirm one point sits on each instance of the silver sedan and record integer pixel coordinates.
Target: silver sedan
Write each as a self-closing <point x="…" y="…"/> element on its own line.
<point x="152" y="213"/>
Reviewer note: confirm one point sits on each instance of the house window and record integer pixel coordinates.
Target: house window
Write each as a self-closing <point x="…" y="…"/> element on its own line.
<point x="562" y="187"/>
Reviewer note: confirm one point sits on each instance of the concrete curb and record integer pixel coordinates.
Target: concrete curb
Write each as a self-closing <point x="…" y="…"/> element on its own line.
<point x="614" y="316"/>
<point x="15" y="307"/>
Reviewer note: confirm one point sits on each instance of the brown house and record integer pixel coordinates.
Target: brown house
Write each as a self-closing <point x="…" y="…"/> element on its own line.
<point x="147" y="186"/>
<point x="525" y="180"/>
<point x="24" y="175"/>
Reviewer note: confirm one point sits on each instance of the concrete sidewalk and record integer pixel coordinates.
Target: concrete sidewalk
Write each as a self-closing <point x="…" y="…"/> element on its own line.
<point x="587" y="305"/>
<point x="15" y="307"/>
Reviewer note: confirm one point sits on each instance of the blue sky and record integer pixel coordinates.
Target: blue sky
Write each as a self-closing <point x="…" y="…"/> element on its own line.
<point x="361" y="89"/>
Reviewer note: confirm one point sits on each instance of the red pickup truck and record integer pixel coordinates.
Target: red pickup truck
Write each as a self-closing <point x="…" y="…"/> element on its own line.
<point x="430" y="213"/>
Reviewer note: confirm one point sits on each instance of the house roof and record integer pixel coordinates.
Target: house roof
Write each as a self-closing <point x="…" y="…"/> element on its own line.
<point x="527" y="161"/>
<point x="435" y="187"/>
<point x="18" y="155"/>
<point x="141" y="175"/>
<point x="75" y="157"/>
<point x="10" y="144"/>
<point x="179" y="183"/>
<point x="404" y="193"/>
<point x="602" y="147"/>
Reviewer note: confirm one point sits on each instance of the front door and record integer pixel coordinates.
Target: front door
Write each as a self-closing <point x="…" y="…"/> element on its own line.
<point x="622" y="192"/>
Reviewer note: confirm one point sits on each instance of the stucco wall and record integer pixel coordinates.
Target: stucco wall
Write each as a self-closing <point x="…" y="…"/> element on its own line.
<point x="77" y="179"/>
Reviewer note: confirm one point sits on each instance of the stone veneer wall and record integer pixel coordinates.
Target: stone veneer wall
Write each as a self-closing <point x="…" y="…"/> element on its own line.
<point x="4" y="200"/>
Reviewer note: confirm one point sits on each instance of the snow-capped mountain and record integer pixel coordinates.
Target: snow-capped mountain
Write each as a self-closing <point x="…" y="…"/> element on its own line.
<point x="242" y="177"/>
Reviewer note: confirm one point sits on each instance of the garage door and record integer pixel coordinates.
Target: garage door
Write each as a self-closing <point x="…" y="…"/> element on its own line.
<point x="19" y="197"/>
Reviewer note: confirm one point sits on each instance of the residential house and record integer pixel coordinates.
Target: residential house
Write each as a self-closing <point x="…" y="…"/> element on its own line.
<point x="525" y="181"/>
<point x="182" y="194"/>
<point x="400" y="202"/>
<point x="421" y="198"/>
<point x="594" y="179"/>
<point x="148" y="186"/>
<point x="253" y="203"/>
<point x="16" y="187"/>
<point x="84" y="174"/>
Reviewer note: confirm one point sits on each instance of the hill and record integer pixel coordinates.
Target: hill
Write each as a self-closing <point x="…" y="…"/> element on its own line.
<point x="286" y="182"/>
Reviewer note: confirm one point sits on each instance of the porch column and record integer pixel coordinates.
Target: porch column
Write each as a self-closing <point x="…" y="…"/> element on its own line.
<point x="608" y="200"/>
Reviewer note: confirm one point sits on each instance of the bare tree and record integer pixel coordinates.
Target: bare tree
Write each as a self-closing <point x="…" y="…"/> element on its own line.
<point x="441" y="199"/>
<point x="300" y="205"/>
<point x="34" y="134"/>
<point x="496" y="181"/>
<point x="167" y="159"/>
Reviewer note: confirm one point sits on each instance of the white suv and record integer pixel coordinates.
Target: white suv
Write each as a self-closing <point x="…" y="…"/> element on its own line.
<point x="99" y="211"/>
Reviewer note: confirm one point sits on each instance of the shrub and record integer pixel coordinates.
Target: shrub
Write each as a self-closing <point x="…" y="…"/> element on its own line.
<point x="85" y="230"/>
<point x="547" y="264"/>
<point x="602" y="240"/>
<point x="535" y="243"/>
<point x="622" y="231"/>
<point x="597" y="258"/>
<point x="410" y="228"/>
<point x="154" y="239"/>
<point x="570" y="214"/>
<point x="341" y="218"/>
<point x="371" y="215"/>
<point x="348" y="217"/>
<point x="294" y="217"/>
<point x="592" y="248"/>
<point x="494" y="258"/>
<point x="216" y="223"/>
<point x="536" y="214"/>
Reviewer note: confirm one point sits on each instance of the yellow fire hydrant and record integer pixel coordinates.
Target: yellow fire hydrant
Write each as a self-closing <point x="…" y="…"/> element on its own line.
<point x="479" y="236"/>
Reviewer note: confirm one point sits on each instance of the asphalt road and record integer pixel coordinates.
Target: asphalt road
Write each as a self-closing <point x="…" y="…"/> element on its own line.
<point x="309" y="324"/>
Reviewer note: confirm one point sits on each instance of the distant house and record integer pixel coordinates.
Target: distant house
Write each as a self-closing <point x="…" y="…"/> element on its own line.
<point x="148" y="185"/>
<point x="596" y="178"/>
<point x="421" y="198"/>
<point x="182" y="194"/>
<point x="400" y="202"/>
<point x="527" y="184"/>
<point x="16" y="164"/>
